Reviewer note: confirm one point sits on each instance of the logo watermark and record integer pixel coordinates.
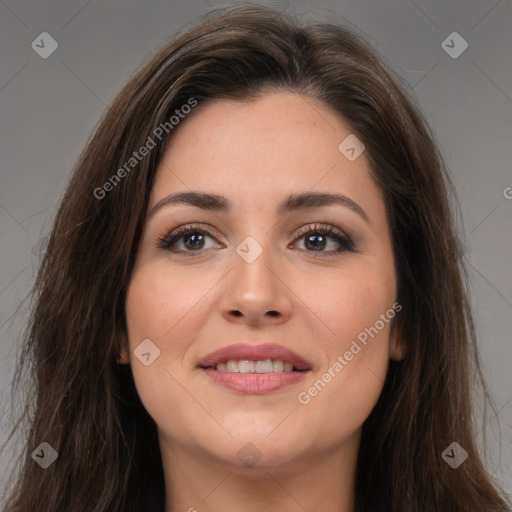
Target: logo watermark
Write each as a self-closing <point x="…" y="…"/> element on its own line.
<point x="45" y="455"/>
<point x="454" y="455"/>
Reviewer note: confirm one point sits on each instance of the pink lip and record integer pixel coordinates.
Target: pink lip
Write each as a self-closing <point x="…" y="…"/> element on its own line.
<point x="254" y="383"/>
<point x="254" y="353"/>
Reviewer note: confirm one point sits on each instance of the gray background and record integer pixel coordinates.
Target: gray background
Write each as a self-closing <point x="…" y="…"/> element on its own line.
<point x="49" y="108"/>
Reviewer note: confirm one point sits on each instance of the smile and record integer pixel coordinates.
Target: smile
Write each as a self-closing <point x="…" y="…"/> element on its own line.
<point x="260" y="366"/>
<point x="254" y="368"/>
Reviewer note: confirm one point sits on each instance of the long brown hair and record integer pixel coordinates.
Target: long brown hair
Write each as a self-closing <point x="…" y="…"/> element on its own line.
<point x="85" y="405"/>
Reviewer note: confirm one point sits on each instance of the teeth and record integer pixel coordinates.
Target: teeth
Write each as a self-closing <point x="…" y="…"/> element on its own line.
<point x="232" y="366"/>
<point x="261" y="366"/>
<point x="278" y="365"/>
<point x="245" y="366"/>
<point x="264" y="366"/>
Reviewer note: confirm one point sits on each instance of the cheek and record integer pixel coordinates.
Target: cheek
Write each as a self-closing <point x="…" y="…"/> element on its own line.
<point x="159" y="308"/>
<point x="158" y="302"/>
<point x="349" y="302"/>
<point x="356" y="313"/>
<point x="345" y="390"/>
<point x="344" y="399"/>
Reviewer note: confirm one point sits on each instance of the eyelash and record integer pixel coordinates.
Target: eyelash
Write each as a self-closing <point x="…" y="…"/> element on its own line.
<point x="166" y="241"/>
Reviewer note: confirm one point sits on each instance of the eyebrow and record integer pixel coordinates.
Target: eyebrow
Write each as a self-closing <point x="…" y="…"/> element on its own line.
<point x="294" y="202"/>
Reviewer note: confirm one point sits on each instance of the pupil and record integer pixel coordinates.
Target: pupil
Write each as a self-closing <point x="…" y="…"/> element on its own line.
<point x="317" y="238"/>
<point x="197" y="243"/>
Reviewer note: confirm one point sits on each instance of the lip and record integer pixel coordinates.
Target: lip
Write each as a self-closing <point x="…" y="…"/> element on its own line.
<point x="254" y="353"/>
<point x="254" y="383"/>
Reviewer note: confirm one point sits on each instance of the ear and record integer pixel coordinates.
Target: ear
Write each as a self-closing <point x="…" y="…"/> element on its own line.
<point x="123" y="354"/>
<point x="397" y="345"/>
<point x="123" y="357"/>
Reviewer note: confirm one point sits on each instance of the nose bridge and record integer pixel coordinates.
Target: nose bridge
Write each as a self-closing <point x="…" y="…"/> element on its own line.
<point x="254" y="289"/>
<point x="253" y="260"/>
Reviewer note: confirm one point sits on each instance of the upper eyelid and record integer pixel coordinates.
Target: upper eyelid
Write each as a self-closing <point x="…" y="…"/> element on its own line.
<point x="210" y="231"/>
<point x="182" y="230"/>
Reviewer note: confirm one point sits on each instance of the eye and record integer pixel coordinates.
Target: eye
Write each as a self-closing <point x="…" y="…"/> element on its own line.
<point x="193" y="239"/>
<point x="316" y="239"/>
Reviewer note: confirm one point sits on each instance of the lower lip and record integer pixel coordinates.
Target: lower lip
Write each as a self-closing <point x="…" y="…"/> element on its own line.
<point x="255" y="383"/>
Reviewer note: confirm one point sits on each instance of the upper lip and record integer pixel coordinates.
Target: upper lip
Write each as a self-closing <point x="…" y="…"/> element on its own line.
<point x="254" y="353"/>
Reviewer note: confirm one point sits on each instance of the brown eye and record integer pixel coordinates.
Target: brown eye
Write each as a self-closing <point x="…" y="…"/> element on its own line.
<point x="187" y="239"/>
<point x="317" y="238"/>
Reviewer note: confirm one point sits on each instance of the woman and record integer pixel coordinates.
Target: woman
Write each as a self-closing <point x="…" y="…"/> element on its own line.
<point x="253" y="296"/>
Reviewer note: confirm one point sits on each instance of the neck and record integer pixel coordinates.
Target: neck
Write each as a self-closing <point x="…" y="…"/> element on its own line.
<point x="313" y="482"/>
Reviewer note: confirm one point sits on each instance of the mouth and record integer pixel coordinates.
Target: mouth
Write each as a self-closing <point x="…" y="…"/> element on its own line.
<point x="260" y="366"/>
<point x="254" y="369"/>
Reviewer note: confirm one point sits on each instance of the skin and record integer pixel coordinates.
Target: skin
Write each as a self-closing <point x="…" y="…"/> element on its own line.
<point x="256" y="153"/>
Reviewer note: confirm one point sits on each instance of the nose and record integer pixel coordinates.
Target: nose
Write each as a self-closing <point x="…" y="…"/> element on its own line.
<point x="257" y="293"/>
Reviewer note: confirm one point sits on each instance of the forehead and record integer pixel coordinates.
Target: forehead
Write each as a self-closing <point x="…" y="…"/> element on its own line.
<point x="258" y="151"/>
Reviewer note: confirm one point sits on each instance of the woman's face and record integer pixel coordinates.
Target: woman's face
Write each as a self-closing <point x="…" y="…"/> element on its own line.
<point x="250" y="274"/>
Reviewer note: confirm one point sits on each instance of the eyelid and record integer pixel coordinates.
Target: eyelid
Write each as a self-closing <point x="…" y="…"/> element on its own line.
<point x="340" y="236"/>
<point x="319" y="226"/>
<point x="165" y="236"/>
<point x="166" y="239"/>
